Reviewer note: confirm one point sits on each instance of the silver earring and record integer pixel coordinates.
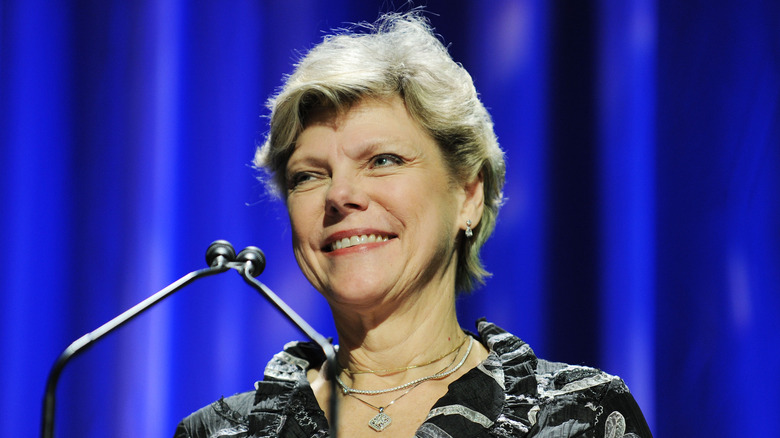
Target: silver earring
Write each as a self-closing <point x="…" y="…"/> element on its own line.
<point x="469" y="233"/>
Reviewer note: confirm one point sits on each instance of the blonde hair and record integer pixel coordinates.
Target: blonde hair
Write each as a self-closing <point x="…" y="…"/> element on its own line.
<point x="398" y="55"/>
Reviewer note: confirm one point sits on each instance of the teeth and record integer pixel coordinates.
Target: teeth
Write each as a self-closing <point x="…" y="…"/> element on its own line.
<point x="356" y="240"/>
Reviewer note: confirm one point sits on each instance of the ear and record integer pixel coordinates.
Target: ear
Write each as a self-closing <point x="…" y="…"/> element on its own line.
<point x="473" y="203"/>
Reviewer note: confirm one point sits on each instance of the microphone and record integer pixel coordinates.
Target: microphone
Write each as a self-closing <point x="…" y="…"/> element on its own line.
<point x="220" y="252"/>
<point x="220" y="257"/>
<point x="253" y="260"/>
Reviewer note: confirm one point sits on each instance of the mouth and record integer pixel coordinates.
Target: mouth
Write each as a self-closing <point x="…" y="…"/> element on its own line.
<point x="356" y="240"/>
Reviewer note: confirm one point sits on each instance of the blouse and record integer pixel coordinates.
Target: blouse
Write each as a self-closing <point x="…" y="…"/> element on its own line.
<point x="511" y="393"/>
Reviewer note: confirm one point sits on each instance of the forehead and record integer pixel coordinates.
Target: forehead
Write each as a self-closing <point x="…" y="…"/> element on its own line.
<point x="369" y="121"/>
<point x="336" y="115"/>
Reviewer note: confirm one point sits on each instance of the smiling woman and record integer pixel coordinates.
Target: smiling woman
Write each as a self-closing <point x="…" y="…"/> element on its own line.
<point x="359" y="174"/>
<point x="392" y="177"/>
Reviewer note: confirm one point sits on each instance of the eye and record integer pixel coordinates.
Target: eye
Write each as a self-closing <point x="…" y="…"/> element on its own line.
<point x="299" y="178"/>
<point x="385" y="160"/>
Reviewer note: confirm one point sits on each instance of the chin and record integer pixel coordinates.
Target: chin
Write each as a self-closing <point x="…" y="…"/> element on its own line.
<point x="357" y="296"/>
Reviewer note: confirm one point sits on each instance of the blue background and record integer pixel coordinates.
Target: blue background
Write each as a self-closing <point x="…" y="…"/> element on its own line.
<point x="641" y="233"/>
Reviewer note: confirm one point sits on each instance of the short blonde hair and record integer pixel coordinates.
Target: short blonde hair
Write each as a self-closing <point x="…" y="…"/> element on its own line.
<point x="398" y="55"/>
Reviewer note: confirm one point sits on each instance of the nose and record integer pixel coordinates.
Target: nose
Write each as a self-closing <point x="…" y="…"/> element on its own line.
<point x="345" y="195"/>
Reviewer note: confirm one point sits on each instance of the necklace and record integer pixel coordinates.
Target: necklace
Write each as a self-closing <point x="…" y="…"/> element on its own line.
<point x="381" y="420"/>
<point x="411" y="367"/>
<point x="440" y="375"/>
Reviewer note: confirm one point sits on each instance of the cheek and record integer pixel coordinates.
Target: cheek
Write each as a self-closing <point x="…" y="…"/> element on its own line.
<point x="300" y="220"/>
<point x="429" y="214"/>
<point x="301" y="228"/>
<point x="444" y="207"/>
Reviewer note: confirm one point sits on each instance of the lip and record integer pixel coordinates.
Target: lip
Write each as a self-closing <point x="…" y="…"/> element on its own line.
<point x="355" y="232"/>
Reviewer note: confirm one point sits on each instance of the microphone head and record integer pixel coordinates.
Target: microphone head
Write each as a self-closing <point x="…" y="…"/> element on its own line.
<point x="255" y="255"/>
<point x="220" y="249"/>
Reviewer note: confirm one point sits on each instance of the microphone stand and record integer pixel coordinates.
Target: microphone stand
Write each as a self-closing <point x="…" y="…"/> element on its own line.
<point x="220" y="256"/>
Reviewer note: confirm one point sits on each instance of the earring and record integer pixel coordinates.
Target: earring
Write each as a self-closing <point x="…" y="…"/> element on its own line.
<point x="469" y="233"/>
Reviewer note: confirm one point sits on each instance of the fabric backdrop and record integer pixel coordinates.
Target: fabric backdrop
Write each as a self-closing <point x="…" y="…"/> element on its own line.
<point x="641" y="233"/>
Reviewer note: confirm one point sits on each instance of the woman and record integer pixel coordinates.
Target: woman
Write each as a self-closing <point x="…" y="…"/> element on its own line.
<point x="392" y="177"/>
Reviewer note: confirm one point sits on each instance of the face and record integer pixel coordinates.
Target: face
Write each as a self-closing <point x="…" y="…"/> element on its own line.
<point x="373" y="209"/>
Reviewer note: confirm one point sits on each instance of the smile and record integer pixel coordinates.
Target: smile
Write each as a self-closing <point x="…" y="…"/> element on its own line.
<point x="356" y="240"/>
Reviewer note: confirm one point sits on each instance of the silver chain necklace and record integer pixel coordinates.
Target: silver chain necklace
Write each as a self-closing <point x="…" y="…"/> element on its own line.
<point x="347" y="390"/>
<point x="381" y="420"/>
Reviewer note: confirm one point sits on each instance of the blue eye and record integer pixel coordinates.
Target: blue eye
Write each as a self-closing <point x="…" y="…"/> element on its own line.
<point x="385" y="160"/>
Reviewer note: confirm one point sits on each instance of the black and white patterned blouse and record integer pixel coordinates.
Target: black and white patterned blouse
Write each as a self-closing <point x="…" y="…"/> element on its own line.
<point x="510" y="394"/>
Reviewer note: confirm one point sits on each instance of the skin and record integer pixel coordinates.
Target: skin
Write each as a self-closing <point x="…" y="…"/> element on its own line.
<point x="374" y="170"/>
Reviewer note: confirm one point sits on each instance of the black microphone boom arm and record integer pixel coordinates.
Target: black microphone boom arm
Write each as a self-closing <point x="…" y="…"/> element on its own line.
<point x="220" y="257"/>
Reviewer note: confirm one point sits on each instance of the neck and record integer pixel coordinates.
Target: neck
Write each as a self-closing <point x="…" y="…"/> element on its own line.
<point x="421" y="328"/>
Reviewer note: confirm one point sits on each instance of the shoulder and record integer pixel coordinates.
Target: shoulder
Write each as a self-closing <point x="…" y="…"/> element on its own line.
<point x="555" y="399"/>
<point x="230" y="417"/>
<point x="557" y="379"/>
<point x="225" y="417"/>
<point x="586" y="401"/>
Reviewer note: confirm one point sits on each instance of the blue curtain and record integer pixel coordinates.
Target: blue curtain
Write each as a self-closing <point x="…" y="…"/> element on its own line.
<point x="641" y="233"/>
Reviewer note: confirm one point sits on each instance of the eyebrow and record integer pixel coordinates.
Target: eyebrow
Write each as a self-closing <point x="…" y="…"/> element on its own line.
<point x="366" y="148"/>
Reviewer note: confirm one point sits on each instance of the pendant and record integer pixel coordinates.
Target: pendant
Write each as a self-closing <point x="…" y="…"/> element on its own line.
<point x="380" y="421"/>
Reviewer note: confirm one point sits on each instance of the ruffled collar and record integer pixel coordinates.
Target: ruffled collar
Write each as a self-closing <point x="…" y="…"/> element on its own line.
<point x="500" y="394"/>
